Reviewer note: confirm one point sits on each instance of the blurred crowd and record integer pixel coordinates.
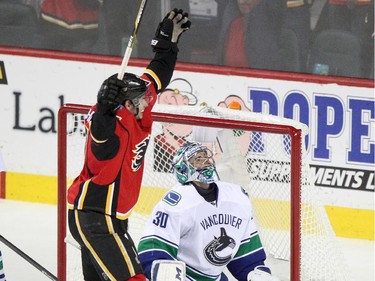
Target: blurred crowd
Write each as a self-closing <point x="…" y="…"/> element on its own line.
<point x="323" y="37"/>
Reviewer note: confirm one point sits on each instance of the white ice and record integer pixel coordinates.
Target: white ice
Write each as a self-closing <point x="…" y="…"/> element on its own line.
<point x="32" y="227"/>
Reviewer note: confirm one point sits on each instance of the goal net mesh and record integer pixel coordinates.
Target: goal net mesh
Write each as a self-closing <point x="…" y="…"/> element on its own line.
<point x="254" y="150"/>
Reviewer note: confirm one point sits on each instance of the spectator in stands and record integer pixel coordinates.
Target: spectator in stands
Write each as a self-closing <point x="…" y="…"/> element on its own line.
<point x="250" y="33"/>
<point x="357" y="17"/>
<point x="69" y="25"/>
<point x="297" y="18"/>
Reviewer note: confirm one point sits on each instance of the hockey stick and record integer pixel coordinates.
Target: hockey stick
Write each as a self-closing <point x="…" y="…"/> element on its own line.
<point x="129" y="48"/>
<point x="29" y="259"/>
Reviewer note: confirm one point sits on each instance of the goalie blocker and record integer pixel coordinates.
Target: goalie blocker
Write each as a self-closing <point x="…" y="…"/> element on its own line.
<point x="163" y="270"/>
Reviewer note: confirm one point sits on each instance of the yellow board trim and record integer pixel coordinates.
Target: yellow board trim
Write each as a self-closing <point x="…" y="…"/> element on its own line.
<point x="351" y="223"/>
<point x="31" y="188"/>
<point x="346" y="222"/>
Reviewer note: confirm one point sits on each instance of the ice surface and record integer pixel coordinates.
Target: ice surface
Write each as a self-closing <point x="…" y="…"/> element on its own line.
<point x="32" y="227"/>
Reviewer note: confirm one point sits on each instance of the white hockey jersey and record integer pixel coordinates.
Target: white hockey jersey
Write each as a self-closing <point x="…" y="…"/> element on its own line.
<point x="207" y="237"/>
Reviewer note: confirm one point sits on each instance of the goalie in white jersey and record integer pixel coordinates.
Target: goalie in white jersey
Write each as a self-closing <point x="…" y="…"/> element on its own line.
<point x="205" y="223"/>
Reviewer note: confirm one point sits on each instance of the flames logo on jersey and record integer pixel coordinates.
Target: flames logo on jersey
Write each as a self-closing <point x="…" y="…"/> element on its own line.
<point x="219" y="244"/>
<point x="140" y="152"/>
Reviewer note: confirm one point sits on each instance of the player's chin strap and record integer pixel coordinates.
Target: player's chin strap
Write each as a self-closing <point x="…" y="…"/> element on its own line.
<point x="136" y="115"/>
<point x="136" y="106"/>
<point x="261" y="273"/>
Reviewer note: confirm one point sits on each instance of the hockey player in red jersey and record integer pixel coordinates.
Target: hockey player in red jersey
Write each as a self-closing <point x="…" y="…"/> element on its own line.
<point x="103" y="196"/>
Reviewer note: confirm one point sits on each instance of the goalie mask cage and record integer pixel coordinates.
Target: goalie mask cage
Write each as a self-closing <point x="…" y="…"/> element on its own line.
<point x="265" y="154"/>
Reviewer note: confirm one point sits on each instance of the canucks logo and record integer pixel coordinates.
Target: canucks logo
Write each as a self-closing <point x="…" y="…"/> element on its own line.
<point x="215" y="250"/>
<point x="172" y="198"/>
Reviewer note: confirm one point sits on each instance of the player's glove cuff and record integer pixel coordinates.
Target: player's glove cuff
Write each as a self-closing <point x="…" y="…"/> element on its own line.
<point x="102" y="126"/>
<point x="160" y="45"/>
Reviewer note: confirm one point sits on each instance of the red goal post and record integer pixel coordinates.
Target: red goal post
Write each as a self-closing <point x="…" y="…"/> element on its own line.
<point x="272" y="166"/>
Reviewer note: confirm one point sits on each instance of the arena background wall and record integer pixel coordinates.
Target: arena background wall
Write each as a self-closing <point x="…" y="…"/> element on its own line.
<point x="340" y="113"/>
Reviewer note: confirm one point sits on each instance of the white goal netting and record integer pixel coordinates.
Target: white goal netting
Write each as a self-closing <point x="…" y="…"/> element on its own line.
<point x="265" y="154"/>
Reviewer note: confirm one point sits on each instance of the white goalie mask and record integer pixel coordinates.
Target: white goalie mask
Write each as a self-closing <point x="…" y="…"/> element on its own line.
<point x="194" y="162"/>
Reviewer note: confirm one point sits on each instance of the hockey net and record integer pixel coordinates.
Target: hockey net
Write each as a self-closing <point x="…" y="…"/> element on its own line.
<point x="265" y="154"/>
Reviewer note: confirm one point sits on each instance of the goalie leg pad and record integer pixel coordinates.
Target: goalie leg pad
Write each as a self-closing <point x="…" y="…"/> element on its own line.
<point x="162" y="270"/>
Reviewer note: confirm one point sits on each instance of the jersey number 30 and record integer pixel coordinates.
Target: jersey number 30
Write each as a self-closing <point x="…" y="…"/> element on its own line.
<point x="161" y="219"/>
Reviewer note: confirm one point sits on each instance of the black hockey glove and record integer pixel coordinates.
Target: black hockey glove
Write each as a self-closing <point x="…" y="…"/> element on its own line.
<point x="169" y="31"/>
<point x="111" y="95"/>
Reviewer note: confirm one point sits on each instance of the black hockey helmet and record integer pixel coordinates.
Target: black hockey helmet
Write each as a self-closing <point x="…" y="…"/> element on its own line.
<point x="136" y="88"/>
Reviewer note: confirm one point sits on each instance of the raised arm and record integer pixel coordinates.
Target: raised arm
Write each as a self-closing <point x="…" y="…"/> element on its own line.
<point x="164" y="45"/>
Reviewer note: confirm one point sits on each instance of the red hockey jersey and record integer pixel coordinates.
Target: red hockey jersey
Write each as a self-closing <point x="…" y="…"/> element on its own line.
<point x="112" y="186"/>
